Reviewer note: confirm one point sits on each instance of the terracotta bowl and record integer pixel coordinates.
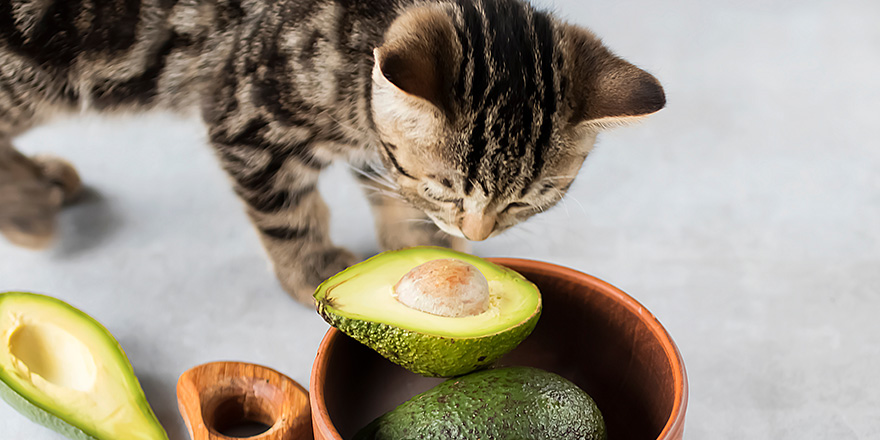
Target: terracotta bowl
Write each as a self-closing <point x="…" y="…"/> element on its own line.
<point x="590" y="332"/>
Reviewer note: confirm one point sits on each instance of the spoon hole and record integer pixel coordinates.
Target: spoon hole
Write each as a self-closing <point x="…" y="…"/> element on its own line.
<point x="245" y="429"/>
<point x="242" y="417"/>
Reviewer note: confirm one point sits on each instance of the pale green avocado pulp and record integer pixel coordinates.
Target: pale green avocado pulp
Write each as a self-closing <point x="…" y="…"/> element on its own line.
<point x="360" y="302"/>
<point x="64" y="370"/>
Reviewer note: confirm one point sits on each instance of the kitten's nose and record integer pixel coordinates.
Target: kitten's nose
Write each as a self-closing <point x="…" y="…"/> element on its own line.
<point x="477" y="226"/>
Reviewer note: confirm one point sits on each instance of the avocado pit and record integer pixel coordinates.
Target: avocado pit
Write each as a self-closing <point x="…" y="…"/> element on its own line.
<point x="445" y="287"/>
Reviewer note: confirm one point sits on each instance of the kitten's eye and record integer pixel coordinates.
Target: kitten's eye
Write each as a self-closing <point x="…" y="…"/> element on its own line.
<point x="516" y="205"/>
<point x="441" y="199"/>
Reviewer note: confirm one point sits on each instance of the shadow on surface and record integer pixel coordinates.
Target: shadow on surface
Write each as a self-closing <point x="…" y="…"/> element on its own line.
<point x="87" y="223"/>
<point x="163" y="399"/>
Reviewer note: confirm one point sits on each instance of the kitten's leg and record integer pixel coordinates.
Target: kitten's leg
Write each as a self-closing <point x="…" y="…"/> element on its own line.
<point x="398" y="224"/>
<point x="32" y="189"/>
<point x="278" y="185"/>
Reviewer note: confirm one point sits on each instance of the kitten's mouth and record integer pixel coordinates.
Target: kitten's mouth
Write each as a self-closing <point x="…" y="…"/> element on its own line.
<point x="447" y="228"/>
<point x="498" y="230"/>
<point x="456" y="232"/>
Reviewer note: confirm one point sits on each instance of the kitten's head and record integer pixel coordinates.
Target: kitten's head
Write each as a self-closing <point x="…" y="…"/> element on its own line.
<point x="487" y="108"/>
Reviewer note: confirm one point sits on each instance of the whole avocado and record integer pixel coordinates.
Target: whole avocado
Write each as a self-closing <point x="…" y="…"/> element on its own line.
<point x="507" y="403"/>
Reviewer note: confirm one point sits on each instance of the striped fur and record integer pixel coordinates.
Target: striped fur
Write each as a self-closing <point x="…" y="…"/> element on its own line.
<point x="475" y="114"/>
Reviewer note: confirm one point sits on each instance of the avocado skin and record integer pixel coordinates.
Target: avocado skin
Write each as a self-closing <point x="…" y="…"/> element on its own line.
<point x="430" y="355"/>
<point x="507" y="403"/>
<point x="40" y="416"/>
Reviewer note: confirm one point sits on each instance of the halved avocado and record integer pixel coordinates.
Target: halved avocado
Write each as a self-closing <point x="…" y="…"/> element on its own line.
<point x="360" y="301"/>
<point x="64" y="370"/>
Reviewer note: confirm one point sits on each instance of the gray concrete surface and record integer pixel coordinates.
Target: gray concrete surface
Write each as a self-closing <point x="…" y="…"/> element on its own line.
<point x="746" y="216"/>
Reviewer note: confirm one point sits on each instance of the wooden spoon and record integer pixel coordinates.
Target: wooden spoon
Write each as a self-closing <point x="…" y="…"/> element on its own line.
<point x="216" y="396"/>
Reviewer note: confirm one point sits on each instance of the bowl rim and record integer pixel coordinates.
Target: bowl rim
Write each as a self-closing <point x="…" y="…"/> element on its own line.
<point x="674" y="424"/>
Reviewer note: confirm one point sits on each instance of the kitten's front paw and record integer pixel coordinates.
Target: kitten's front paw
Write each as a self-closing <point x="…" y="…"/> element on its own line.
<point x="32" y="191"/>
<point x="29" y="210"/>
<point x="301" y="280"/>
<point x="60" y="173"/>
<point x="329" y="262"/>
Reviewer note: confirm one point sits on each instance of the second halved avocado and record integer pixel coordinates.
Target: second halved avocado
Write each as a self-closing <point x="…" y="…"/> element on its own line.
<point x="360" y="301"/>
<point x="62" y="369"/>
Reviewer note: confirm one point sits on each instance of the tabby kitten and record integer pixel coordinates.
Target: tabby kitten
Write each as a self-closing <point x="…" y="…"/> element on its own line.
<point x="475" y="114"/>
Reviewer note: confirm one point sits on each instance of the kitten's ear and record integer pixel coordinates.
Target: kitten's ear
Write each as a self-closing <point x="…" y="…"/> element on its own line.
<point x="604" y="86"/>
<point x="418" y="55"/>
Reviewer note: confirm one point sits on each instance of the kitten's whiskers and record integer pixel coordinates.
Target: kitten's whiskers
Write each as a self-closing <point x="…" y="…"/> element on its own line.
<point x="417" y="220"/>
<point x="378" y="179"/>
<point x="384" y="192"/>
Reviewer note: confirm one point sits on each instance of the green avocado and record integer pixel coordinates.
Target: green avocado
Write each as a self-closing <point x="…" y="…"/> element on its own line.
<point x="520" y="403"/>
<point x="360" y="301"/>
<point x="62" y="369"/>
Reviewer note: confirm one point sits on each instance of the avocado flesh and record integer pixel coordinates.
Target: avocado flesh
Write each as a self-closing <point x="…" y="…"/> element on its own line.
<point x="62" y="369"/>
<point x="359" y="301"/>
<point x="507" y="403"/>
